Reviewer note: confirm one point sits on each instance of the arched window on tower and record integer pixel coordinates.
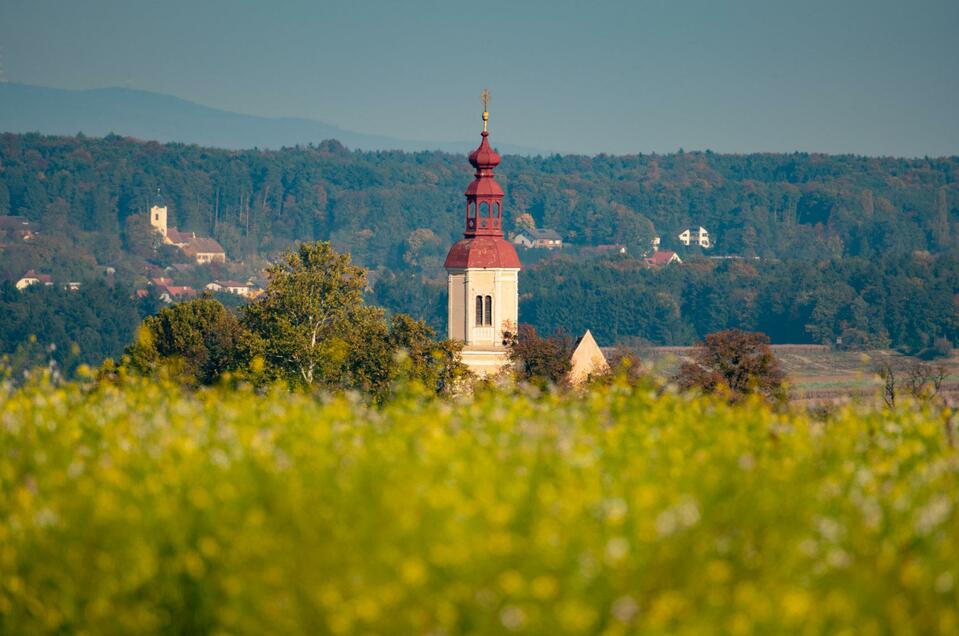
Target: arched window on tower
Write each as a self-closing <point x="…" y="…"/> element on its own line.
<point x="471" y="215"/>
<point x="489" y="311"/>
<point x="479" y="311"/>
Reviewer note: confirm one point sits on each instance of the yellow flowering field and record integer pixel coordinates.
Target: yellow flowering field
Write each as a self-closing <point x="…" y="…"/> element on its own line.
<point x="145" y="509"/>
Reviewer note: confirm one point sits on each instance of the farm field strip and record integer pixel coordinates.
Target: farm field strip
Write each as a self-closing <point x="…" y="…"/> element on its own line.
<point x="814" y="372"/>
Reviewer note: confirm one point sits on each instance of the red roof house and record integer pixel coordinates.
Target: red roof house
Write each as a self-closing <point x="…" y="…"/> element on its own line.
<point x="31" y="277"/>
<point x="661" y="258"/>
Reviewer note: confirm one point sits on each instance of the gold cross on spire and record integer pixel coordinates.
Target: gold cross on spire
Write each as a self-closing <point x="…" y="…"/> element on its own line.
<point x="485" y="97"/>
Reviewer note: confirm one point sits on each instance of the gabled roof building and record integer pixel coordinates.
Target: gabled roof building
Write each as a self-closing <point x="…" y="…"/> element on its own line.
<point x="544" y="238"/>
<point x="661" y="258"/>
<point x="695" y="236"/>
<point x="31" y="277"/>
<point x="230" y="287"/>
<point x="204" y="250"/>
<point x="199" y="248"/>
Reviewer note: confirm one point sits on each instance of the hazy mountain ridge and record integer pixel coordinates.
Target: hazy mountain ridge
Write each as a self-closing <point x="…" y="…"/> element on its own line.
<point x="155" y="116"/>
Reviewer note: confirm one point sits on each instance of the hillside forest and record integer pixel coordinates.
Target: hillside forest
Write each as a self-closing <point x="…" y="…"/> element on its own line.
<point x="845" y="250"/>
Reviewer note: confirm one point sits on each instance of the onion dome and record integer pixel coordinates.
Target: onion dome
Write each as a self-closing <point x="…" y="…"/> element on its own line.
<point x="483" y="244"/>
<point x="484" y="158"/>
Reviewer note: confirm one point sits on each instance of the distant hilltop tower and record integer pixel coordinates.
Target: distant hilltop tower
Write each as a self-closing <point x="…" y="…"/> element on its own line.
<point x="483" y="268"/>
<point x="158" y="216"/>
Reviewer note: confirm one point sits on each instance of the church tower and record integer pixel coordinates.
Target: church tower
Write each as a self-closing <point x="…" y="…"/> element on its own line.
<point x="483" y="269"/>
<point x="158" y="219"/>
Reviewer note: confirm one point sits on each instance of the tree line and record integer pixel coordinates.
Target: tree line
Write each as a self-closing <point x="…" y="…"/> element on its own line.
<point x="903" y="301"/>
<point x="44" y="326"/>
<point x="381" y="206"/>
<point x="853" y="251"/>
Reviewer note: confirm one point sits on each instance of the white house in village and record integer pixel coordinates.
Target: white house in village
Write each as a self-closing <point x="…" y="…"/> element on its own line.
<point x="230" y="287"/>
<point x="31" y="277"/>
<point x="545" y="239"/>
<point x="695" y="236"/>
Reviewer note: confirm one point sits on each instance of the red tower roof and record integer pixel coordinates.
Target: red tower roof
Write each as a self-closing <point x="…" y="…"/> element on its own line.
<point x="484" y="188"/>
<point x="482" y="251"/>
<point x="483" y="244"/>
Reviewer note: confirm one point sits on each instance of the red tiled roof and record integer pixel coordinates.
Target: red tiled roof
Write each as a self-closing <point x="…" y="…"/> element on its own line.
<point x="546" y="234"/>
<point x="484" y="187"/>
<point x="178" y="237"/>
<point x="482" y="251"/>
<point x="661" y="257"/>
<point x="180" y="290"/>
<point x="43" y="278"/>
<point x="202" y="245"/>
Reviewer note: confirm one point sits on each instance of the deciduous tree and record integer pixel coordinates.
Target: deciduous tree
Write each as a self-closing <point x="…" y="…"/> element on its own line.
<point x="735" y="361"/>
<point x="308" y="313"/>
<point x="436" y="364"/>
<point x="537" y="359"/>
<point x="200" y="338"/>
<point x="317" y="331"/>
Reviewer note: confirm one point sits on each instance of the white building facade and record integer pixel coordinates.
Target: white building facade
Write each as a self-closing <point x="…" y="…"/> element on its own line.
<point x="695" y="236"/>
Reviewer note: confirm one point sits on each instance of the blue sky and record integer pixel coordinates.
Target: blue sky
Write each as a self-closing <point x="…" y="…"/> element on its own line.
<point x="870" y="77"/>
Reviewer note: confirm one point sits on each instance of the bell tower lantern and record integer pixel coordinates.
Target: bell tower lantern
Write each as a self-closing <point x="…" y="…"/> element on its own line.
<point x="483" y="268"/>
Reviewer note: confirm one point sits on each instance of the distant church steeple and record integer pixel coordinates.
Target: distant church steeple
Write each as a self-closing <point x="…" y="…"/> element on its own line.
<point x="483" y="267"/>
<point x="158" y="215"/>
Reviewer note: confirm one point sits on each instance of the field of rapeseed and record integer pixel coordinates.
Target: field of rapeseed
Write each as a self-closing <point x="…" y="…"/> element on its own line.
<point x="148" y="510"/>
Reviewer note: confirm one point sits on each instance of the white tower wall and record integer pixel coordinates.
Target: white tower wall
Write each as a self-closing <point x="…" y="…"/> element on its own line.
<point x="158" y="219"/>
<point x="483" y="350"/>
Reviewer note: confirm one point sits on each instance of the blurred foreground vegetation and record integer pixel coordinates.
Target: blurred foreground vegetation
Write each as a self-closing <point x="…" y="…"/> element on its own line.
<point x="138" y="507"/>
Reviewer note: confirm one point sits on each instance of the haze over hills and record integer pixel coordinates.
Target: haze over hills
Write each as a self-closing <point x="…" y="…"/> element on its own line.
<point x="165" y="118"/>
